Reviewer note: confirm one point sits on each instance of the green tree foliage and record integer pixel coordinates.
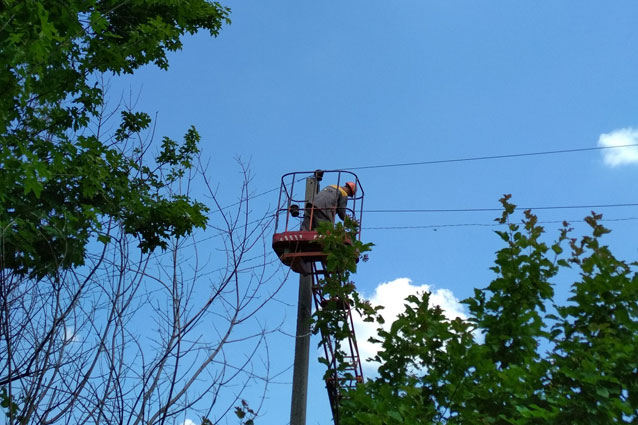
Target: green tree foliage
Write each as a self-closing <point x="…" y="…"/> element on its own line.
<point x="343" y="251"/>
<point x="519" y="358"/>
<point x="9" y="406"/>
<point x="60" y="177"/>
<point x="245" y="414"/>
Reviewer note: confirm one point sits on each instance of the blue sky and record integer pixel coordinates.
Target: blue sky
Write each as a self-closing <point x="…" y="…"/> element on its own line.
<point x="293" y="86"/>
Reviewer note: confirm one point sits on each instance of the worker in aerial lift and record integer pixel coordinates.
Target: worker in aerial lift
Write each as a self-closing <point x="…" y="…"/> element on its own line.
<point x="331" y="201"/>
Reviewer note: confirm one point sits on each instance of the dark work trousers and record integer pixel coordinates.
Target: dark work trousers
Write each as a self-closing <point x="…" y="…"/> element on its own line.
<point x="317" y="217"/>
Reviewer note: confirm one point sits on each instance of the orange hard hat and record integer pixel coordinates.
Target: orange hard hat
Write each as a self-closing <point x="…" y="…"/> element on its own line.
<point x="352" y="186"/>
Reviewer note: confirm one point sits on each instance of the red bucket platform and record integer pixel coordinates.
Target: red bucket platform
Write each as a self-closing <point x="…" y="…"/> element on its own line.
<point x="297" y="247"/>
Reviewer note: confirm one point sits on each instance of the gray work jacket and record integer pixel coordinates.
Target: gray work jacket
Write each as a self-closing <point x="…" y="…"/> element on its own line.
<point x="332" y="199"/>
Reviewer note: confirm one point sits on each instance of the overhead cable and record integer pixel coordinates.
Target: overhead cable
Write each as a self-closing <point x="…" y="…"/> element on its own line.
<point x="483" y="158"/>
<point x="452" y="160"/>
<point x="438" y="226"/>
<point x="448" y="210"/>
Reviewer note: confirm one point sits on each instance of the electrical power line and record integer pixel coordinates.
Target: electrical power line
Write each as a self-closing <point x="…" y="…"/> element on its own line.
<point x="449" y="210"/>
<point x="483" y="158"/>
<point x="439" y="226"/>
<point x="453" y="160"/>
<point x="269" y="218"/>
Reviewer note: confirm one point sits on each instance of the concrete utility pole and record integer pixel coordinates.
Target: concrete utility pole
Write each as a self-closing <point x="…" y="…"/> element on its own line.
<point x="302" y="342"/>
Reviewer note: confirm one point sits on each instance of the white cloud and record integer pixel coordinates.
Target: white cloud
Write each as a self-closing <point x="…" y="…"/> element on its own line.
<point x="188" y="422"/>
<point x="392" y="296"/>
<point x="70" y="335"/>
<point x="620" y="156"/>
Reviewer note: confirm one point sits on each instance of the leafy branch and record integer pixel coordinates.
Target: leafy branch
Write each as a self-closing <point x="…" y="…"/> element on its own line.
<point x="343" y="252"/>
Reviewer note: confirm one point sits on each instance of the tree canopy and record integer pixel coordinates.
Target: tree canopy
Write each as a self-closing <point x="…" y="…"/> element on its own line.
<point x="62" y="173"/>
<point x="521" y="357"/>
<point x="108" y="332"/>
